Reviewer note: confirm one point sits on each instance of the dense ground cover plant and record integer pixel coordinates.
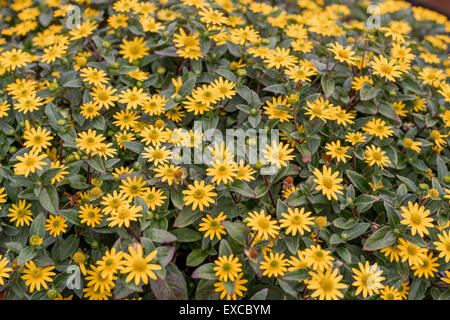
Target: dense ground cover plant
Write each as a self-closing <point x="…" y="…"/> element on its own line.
<point x="98" y="97"/>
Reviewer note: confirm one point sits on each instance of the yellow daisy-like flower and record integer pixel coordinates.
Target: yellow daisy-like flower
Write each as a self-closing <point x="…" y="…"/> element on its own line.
<point x="133" y="49"/>
<point x="56" y="225"/>
<point x="222" y="172"/>
<point x="94" y="76"/>
<point x="278" y="155"/>
<point x="110" y="263"/>
<point x="413" y="145"/>
<point x="133" y="187"/>
<point x="279" y="109"/>
<point x="4" y="270"/>
<point x="29" y="163"/>
<point x="328" y="182"/>
<point x="377" y="127"/>
<point x="374" y="155"/>
<point x="227" y="268"/>
<point x="296" y="221"/>
<point x="124" y="215"/>
<point x="199" y="195"/>
<point x="443" y="245"/>
<point x="35" y="276"/>
<point x="238" y="288"/>
<point x="21" y="213"/>
<point x="336" y="151"/>
<point x="390" y="293"/>
<point x="138" y="266"/>
<point x="263" y="225"/>
<point x="153" y="198"/>
<point x="326" y="284"/>
<point x="274" y="265"/>
<point x="318" y="258"/>
<point x="426" y="268"/>
<point x="90" y="215"/>
<point x="367" y="279"/>
<point x="388" y="69"/>
<point x="416" y="217"/>
<point x="410" y="252"/>
<point x="37" y="139"/>
<point x="212" y="226"/>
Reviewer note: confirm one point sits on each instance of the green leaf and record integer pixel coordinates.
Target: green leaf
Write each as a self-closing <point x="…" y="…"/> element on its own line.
<point x="165" y="255"/>
<point x="368" y="92"/>
<point x="393" y="217"/>
<point x="71" y="215"/>
<point x="249" y="95"/>
<point x="26" y="255"/>
<point x="97" y="164"/>
<point x="276" y="88"/>
<point x="260" y="295"/>
<point x="38" y="226"/>
<point x="160" y="236"/>
<point x="187" y="86"/>
<point x="224" y="248"/>
<point x="186" y="235"/>
<point x="411" y="185"/>
<point x="297" y="275"/>
<point x="172" y="287"/>
<point x="358" y="181"/>
<point x="205" y="271"/>
<point x="357" y="230"/>
<point x="186" y="218"/>
<point x="328" y="86"/>
<point x="380" y="239"/>
<point x="196" y="257"/>
<point x="345" y="224"/>
<point x="69" y="246"/>
<point x="133" y="146"/>
<point x="237" y="230"/>
<point x="442" y="170"/>
<point x="242" y="188"/>
<point x="417" y="289"/>
<point x="177" y="200"/>
<point x="48" y="198"/>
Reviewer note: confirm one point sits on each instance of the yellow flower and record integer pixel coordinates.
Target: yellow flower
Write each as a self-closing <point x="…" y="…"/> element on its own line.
<point x="227" y="268"/>
<point x="416" y="217"/>
<point x="138" y="266"/>
<point x="35" y="276"/>
<point x="133" y="49"/>
<point x="374" y="155"/>
<point x="213" y="226"/>
<point x="263" y="224"/>
<point x="328" y="182"/>
<point x="326" y="284"/>
<point x="296" y="220"/>
<point x="367" y="279"/>
<point x="20" y="213"/>
<point x="90" y="215"/>
<point x="274" y="265"/>
<point x="238" y="288"/>
<point x="336" y="151"/>
<point x="278" y="155"/>
<point x="56" y="225"/>
<point x="443" y="245"/>
<point x="4" y="270"/>
<point x="318" y="258"/>
<point x="199" y="195"/>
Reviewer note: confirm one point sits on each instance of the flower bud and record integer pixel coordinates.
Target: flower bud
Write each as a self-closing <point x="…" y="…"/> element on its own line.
<point x="52" y="293"/>
<point x="161" y="70"/>
<point x="35" y="241"/>
<point x="241" y="73"/>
